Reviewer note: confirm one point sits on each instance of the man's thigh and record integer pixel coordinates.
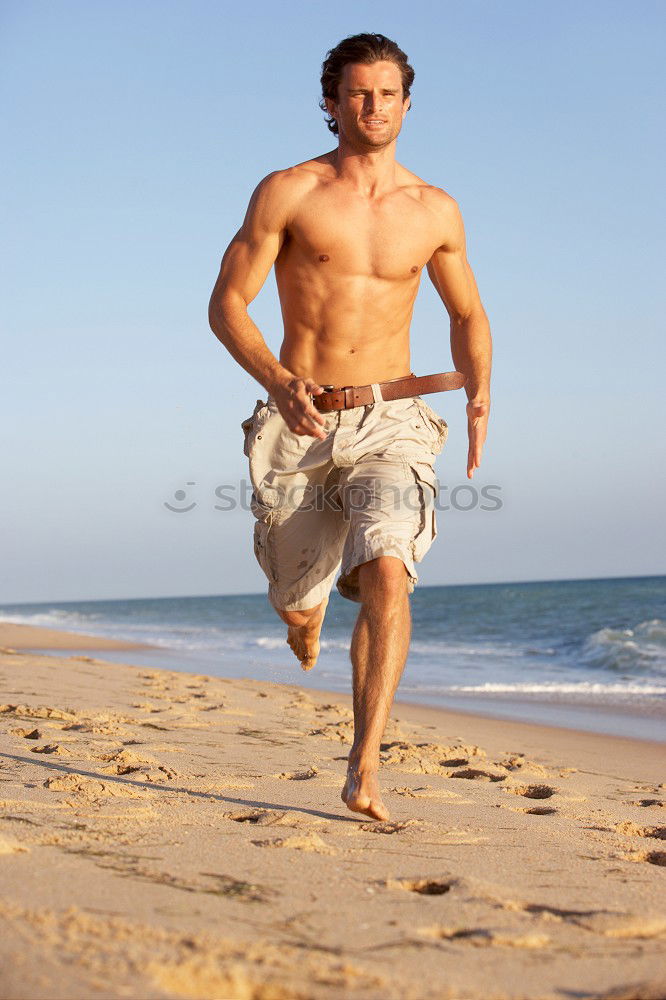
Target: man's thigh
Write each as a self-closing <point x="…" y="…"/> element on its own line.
<point x="389" y="495"/>
<point x="300" y="529"/>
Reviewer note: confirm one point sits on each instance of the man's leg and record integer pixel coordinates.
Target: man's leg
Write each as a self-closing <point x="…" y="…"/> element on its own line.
<point x="379" y="650"/>
<point x="304" y="631"/>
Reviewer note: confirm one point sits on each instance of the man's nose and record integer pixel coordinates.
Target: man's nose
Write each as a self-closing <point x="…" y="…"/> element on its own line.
<point x="373" y="102"/>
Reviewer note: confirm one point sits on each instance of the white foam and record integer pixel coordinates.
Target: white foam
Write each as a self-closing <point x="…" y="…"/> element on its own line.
<point x="556" y="687"/>
<point x="642" y="647"/>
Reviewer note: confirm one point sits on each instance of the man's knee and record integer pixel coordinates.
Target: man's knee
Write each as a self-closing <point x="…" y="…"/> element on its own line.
<point x="297" y="617"/>
<point x="385" y="574"/>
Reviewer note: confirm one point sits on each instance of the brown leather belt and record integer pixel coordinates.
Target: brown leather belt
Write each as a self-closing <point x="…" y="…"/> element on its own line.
<point x="398" y="388"/>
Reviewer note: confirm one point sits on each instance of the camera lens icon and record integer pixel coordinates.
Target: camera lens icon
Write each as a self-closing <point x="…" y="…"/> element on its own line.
<point x="180" y="496"/>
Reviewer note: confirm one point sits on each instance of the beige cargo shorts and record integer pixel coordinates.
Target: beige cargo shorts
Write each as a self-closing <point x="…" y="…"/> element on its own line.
<point x="367" y="490"/>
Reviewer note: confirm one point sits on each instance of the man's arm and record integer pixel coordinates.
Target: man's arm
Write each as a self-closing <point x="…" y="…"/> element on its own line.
<point x="245" y="266"/>
<point x="471" y="344"/>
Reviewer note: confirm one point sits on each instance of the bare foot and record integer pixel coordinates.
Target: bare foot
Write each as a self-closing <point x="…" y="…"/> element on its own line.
<point x="304" y="639"/>
<point x="361" y="794"/>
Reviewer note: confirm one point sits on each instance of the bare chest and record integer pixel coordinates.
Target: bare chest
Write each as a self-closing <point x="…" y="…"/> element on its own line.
<point x="391" y="239"/>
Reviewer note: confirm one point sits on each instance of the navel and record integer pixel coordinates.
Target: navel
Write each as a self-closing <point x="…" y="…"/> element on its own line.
<point x="323" y="257"/>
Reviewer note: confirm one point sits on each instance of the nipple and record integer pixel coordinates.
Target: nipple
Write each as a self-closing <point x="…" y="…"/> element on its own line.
<point x="412" y="269"/>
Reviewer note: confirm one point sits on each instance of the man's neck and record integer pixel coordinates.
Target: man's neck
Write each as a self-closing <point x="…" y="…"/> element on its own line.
<point x="371" y="171"/>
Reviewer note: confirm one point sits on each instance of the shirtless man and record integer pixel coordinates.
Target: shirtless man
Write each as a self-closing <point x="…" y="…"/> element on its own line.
<point x="349" y="233"/>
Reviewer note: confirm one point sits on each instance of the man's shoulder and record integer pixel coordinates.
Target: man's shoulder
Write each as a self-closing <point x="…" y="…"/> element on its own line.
<point x="298" y="178"/>
<point x="432" y="196"/>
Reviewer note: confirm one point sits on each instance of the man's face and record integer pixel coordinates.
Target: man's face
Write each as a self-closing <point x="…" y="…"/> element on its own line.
<point x="369" y="109"/>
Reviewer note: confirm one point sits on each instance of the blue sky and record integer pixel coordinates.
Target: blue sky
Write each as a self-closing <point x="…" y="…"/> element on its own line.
<point x="135" y="134"/>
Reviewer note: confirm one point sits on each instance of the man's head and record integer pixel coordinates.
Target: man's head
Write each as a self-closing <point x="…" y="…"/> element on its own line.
<point x="365" y="82"/>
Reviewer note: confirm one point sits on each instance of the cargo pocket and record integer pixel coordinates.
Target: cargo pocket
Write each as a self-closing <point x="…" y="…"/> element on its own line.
<point x="248" y="425"/>
<point x="426" y="531"/>
<point x="265" y="505"/>
<point x="262" y="544"/>
<point x="438" y="427"/>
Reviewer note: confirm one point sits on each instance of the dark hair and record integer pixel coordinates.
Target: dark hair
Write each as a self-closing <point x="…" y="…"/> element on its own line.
<point x="364" y="48"/>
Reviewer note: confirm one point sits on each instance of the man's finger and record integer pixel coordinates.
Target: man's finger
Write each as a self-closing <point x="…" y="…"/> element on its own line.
<point x="311" y="429"/>
<point x="310" y="432"/>
<point x="310" y="413"/>
<point x="315" y="415"/>
<point x="318" y="429"/>
<point x="311" y="388"/>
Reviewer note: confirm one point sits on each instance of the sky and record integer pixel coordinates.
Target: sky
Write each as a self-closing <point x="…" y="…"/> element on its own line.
<point x="134" y="134"/>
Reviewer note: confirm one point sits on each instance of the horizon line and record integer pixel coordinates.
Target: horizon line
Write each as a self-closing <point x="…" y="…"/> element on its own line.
<point x="259" y="593"/>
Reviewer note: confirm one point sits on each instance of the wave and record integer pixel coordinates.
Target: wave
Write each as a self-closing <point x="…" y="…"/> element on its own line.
<point x="56" y="618"/>
<point x="273" y="642"/>
<point x="559" y="687"/>
<point x="637" y="649"/>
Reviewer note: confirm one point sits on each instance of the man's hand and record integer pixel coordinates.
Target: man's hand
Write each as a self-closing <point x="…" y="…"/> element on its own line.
<point x="477" y="428"/>
<point x="294" y="403"/>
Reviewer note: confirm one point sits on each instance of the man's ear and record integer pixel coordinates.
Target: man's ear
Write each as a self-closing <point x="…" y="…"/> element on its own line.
<point x="330" y="106"/>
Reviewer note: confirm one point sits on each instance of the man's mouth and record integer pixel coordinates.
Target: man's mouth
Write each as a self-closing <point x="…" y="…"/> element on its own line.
<point x="374" y="121"/>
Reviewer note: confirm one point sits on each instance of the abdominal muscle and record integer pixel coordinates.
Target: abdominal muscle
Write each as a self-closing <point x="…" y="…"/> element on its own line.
<point x="346" y="329"/>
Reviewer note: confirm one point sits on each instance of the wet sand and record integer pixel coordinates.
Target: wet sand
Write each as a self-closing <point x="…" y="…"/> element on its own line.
<point x="165" y="834"/>
<point x="29" y="637"/>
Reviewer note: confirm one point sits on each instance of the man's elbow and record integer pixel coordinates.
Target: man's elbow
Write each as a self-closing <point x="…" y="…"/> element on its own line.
<point x="224" y="304"/>
<point x="472" y="316"/>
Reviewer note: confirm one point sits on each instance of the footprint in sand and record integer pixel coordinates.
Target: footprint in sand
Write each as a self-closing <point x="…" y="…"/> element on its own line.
<point x="342" y="731"/>
<point x="422" y="886"/>
<point x="427" y="758"/>
<point x="476" y="774"/>
<point x="143" y="767"/>
<point x="127" y="762"/>
<point x="102" y="725"/>
<point x="426" y="792"/>
<point x="629" y="829"/>
<point x="482" y="936"/>
<point x="262" y="817"/>
<point x="519" y="762"/>
<point x="39" y="712"/>
<point x="28" y="734"/>
<point x="298" y="842"/>
<point x="389" y="826"/>
<point x="553" y="914"/>
<point x="652" y="857"/>
<point x="273" y="817"/>
<point x="52" y="748"/>
<point x="532" y="791"/>
<point x="90" y="790"/>
<point x="311" y="772"/>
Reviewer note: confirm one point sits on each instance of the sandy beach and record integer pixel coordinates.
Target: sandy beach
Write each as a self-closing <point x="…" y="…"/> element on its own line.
<point x="165" y="834"/>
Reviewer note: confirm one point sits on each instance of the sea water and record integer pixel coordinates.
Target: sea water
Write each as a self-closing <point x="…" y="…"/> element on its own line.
<point x="590" y="654"/>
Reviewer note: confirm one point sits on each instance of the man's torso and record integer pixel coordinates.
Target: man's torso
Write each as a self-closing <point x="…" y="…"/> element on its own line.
<point x="348" y="273"/>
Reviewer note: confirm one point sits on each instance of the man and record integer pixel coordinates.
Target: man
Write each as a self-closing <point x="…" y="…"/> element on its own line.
<point x="349" y="233"/>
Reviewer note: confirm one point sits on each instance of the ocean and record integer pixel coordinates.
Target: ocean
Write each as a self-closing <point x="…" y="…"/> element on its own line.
<point x="587" y="654"/>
